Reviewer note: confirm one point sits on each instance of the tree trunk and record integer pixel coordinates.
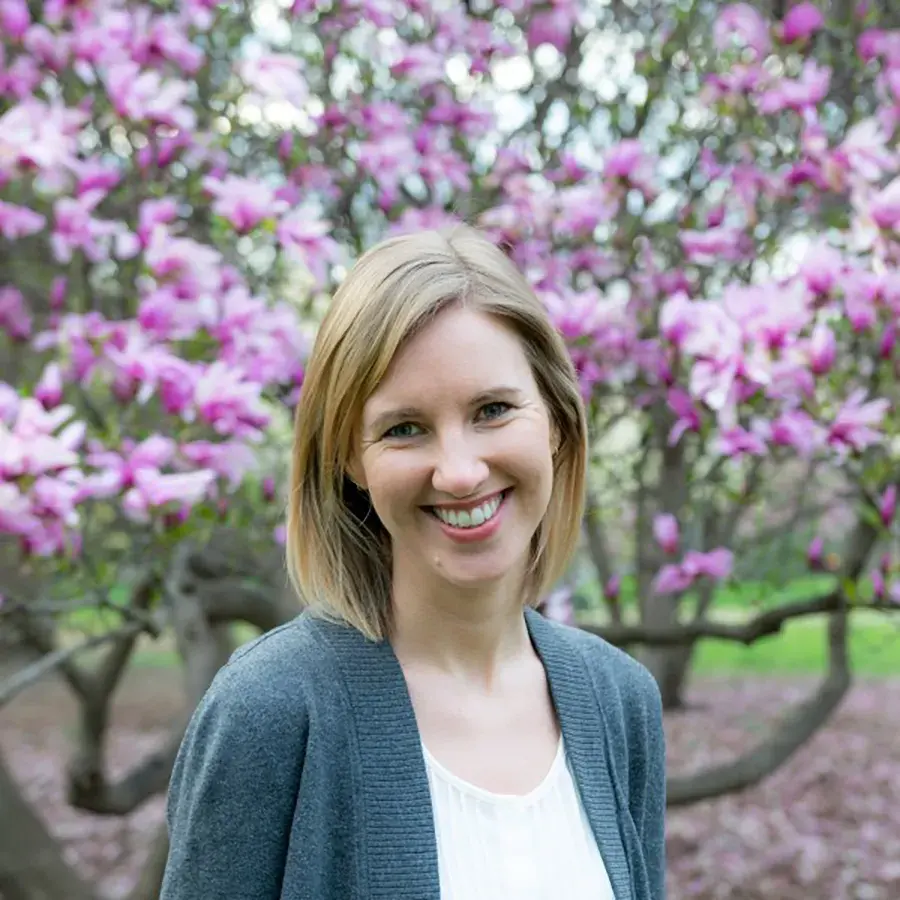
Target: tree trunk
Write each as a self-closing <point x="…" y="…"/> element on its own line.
<point x="32" y="866"/>
<point x="151" y="878"/>
<point x="670" y="667"/>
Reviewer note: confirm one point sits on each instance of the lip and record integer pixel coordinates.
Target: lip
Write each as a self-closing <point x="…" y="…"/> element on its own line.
<point x="468" y="504"/>
<point x="473" y="535"/>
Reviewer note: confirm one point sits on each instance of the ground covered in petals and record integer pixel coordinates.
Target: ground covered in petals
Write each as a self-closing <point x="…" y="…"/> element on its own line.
<point x="825" y="827"/>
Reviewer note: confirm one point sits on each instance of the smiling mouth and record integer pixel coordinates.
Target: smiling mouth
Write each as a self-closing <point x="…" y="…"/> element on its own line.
<point x="470" y="518"/>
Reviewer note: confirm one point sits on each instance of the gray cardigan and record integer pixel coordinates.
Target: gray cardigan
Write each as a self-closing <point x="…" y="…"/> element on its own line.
<point x="301" y="775"/>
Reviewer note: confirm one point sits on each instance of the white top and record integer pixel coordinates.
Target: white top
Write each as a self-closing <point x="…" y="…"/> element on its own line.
<point x="538" y="846"/>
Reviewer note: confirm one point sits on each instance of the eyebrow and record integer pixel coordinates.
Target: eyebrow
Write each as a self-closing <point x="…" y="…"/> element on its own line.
<point x="391" y="417"/>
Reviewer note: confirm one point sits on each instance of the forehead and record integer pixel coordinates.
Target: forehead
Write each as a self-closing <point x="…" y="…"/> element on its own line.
<point x="461" y="352"/>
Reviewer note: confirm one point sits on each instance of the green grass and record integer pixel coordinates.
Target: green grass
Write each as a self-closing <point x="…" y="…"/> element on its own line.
<point x="802" y="648"/>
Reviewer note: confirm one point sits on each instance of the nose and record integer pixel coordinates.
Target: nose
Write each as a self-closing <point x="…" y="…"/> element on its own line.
<point x="459" y="469"/>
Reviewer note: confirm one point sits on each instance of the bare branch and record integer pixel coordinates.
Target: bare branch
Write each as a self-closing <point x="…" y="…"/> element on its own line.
<point x="767" y="623"/>
<point x="59" y="658"/>
<point x="790" y="733"/>
<point x="148" y="778"/>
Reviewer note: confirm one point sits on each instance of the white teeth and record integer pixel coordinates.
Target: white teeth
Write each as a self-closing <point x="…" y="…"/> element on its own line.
<point x="470" y="518"/>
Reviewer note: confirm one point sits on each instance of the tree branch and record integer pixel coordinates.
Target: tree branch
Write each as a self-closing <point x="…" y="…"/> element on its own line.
<point x="765" y="624"/>
<point x="59" y="658"/>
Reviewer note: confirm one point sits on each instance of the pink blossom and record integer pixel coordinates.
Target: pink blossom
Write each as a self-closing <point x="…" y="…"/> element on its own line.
<point x="15" y="511"/>
<point x="58" y="292"/>
<point x="714" y="245"/>
<point x="55" y="498"/>
<point x="21" y="79"/>
<point x="625" y="159"/>
<point x="665" y="532"/>
<point x="682" y="405"/>
<point x="95" y="175"/>
<point x="51" y="51"/>
<point x="231" y="460"/>
<point x="864" y="150"/>
<point x="884" y="207"/>
<point x="75" y="227"/>
<point x="195" y="266"/>
<point x="794" y="428"/>
<point x="153" y="490"/>
<point x="309" y="236"/>
<point x="15" y="319"/>
<point x="853" y="427"/>
<point x="677" y="318"/>
<point x="14" y="18"/>
<point x="822" y="349"/>
<point x="871" y="43"/>
<point x="887" y="342"/>
<point x="160" y="38"/>
<point x="422" y="64"/>
<point x="815" y="554"/>
<point x="878" y="586"/>
<point x="145" y="96"/>
<point x="675" y="579"/>
<point x="808" y="90"/>
<point x="275" y="76"/>
<point x="152" y="213"/>
<point x="49" y="389"/>
<point x="738" y="442"/>
<point x="582" y="208"/>
<point x="821" y="267"/>
<point x="742" y="22"/>
<point x="801" y="21"/>
<point x="19" y="221"/>
<point x="119" y="470"/>
<point x="38" y="134"/>
<point x="176" y="386"/>
<point x="860" y="294"/>
<point x="558" y="605"/>
<point x="38" y="454"/>
<point x="9" y="403"/>
<point x="893" y="592"/>
<point x="716" y="564"/>
<point x="553" y="26"/>
<point x="244" y="202"/>
<point x="887" y="505"/>
<point x="613" y="588"/>
<point x="231" y="404"/>
<point x="672" y="579"/>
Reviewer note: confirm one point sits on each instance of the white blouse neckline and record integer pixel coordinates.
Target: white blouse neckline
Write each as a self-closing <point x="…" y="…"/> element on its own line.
<point x="479" y="793"/>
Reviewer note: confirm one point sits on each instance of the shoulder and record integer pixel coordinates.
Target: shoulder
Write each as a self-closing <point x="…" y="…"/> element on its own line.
<point x="269" y="686"/>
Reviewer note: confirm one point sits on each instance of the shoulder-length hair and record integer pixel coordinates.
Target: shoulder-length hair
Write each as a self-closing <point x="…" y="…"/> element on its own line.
<point x="338" y="551"/>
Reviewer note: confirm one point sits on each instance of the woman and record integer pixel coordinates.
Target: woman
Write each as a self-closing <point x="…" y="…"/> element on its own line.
<point x="419" y="732"/>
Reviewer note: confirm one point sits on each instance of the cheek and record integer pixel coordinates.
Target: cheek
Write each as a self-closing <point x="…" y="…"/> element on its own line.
<point x="393" y="485"/>
<point x="530" y="454"/>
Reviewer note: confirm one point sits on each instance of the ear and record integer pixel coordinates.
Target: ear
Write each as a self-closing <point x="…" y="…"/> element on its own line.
<point x="555" y="439"/>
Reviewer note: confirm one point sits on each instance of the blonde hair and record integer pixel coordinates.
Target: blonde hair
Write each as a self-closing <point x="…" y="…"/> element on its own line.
<point x="338" y="552"/>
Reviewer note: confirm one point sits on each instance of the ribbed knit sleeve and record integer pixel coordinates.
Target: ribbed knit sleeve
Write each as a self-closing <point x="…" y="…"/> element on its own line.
<point x="231" y="799"/>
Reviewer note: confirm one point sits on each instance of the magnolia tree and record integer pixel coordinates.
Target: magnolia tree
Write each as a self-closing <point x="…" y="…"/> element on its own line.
<point x="706" y="196"/>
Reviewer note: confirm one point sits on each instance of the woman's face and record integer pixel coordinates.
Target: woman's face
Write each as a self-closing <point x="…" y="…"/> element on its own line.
<point x="456" y="453"/>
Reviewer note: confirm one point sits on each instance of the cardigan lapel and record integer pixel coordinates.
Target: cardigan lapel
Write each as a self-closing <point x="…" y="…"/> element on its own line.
<point x="584" y="734"/>
<point x="399" y="841"/>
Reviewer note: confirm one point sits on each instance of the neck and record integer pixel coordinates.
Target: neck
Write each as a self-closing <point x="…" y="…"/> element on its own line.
<point x="469" y="635"/>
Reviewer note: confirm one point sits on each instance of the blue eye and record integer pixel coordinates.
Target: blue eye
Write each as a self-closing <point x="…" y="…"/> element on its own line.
<point x="403" y="430"/>
<point x="494" y="410"/>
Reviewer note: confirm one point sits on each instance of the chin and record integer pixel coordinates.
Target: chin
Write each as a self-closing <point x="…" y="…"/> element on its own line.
<point x="478" y="574"/>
